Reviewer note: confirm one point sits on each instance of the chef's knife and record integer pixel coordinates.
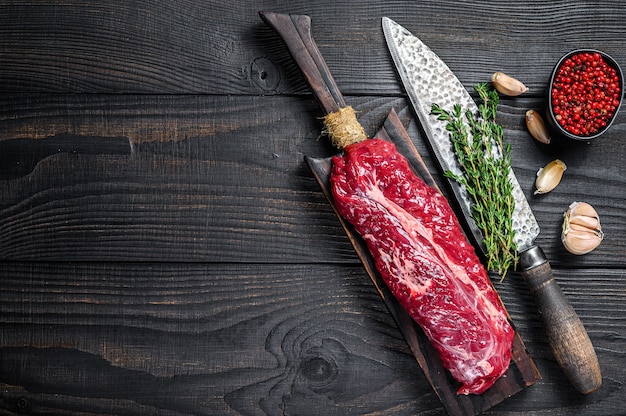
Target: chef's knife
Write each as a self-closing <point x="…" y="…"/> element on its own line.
<point x="427" y="80"/>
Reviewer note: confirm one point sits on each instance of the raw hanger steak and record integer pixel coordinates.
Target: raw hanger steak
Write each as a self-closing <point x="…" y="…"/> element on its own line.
<point x="424" y="258"/>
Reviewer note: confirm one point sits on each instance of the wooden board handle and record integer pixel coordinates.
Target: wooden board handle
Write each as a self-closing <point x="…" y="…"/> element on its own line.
<point x="567" y="336"/>
<point x="295" y="31"/>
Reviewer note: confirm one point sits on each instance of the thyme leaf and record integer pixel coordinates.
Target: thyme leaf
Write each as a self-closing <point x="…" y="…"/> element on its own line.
<point x="485" y="160"/>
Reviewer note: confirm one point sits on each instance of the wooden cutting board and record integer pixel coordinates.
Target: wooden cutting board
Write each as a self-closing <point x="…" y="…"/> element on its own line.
<point x="295" y="30"/>
<point x="522" y="372"/>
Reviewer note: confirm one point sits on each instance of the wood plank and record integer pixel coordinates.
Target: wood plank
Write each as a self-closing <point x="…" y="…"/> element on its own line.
<point x="216" y="178"/>
<point x="173" y="339"/>
<point x="164" y="250"/>
<point x="224" y="48"/>
<point x="202" y="339"/>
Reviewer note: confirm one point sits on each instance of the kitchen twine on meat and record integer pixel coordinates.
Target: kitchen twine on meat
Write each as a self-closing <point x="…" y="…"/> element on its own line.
<point x="343" y="128"/>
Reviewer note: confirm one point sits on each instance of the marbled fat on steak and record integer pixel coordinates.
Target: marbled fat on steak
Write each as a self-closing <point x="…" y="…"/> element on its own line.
<point x="423" y="256"/>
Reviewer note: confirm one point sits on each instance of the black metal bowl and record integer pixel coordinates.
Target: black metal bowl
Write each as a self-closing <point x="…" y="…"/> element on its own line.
<point x="552" y="118"/>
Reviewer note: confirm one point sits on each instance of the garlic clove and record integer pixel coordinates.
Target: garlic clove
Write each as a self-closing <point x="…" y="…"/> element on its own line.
<point x="585" y="221"/>
<point x="581" y="232"/>
<point x="583" y="209"/>
<point x="507" y="85"/>
<point x="580" y="243"/>
<point x="549" y="176"/>
<point x="537" y="127"/>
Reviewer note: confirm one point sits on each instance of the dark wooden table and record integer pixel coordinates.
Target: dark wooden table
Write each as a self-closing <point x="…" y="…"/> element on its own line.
<point x="164" y="250"/>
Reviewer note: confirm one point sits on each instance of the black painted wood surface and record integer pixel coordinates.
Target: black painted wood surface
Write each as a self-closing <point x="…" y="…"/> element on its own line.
<point x="164" y="250"/>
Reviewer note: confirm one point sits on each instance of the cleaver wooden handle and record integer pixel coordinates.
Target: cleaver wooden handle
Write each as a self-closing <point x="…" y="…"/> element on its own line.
<point x="566" y="334"/>
<point x="295" y="31"/>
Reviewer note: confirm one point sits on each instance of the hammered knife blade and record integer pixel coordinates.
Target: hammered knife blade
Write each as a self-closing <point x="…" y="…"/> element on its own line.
<point x="427" y="80"/>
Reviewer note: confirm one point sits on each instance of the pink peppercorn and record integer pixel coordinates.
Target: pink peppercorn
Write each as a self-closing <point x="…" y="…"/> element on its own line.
<point x="585" y="93"/>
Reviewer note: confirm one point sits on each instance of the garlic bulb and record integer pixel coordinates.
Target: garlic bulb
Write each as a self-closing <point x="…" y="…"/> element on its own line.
<point x="581" y="228"/>
<point x="536" y="127"/>
<point x="507" y="85"/>
<point x="549" y="176"/>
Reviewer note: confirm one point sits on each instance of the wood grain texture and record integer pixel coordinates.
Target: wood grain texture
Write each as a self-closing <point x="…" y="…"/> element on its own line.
<point x="203" y="338"/>
<point x="164" y="250"/>
<point x="223" y="48"/>
<point x="223" y="179"/>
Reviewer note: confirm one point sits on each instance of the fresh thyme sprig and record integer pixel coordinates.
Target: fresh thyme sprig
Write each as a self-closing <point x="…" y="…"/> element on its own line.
<point x="484" y="157"/>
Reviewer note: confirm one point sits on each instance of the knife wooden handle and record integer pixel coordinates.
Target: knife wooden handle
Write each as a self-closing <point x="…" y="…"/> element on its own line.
<point x="295" y="31"/>
<point x="567" y="336"/>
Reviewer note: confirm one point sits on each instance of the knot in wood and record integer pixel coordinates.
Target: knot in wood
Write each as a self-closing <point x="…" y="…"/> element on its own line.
<point x="319" y="369"/>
